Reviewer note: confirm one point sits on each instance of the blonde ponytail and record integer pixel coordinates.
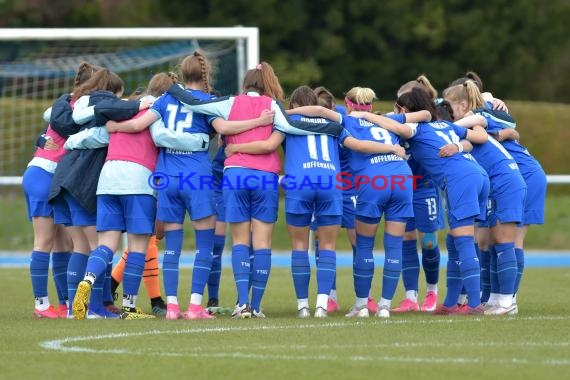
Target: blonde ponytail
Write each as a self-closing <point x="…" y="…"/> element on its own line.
<point x="474" y="97"/>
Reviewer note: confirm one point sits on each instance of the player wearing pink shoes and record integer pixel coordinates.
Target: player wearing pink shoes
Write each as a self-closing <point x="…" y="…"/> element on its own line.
<point x="50" y="238"/>
<point x="427" y="220"/>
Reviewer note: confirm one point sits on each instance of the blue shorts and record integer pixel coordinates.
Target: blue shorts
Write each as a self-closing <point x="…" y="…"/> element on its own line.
<point x="78" y="215"/>
<point x="348" y="209"/>
<point x="428" y="210"/>
<point x="36" y="183"/>
<point x="304" y="220"/>
<point x="395" y="204"/>
<point x="220" y="206"/>
<point x="315" y="200"/>
<point x="250" y="194"/>
<point x="488" y="212"/>
<point x="176" y="199"/>
<point x="466" y="199"/>
<point x="61" y="211"/>
<point x="506" y="200"/>
<point x="535" y="197"/>
<point x="134" y="214"/>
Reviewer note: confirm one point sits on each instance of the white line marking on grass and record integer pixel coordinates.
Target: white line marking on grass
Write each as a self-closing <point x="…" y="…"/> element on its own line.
<point x="66" y="344"/>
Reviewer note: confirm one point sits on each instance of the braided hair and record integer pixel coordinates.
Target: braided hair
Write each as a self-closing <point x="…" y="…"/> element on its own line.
<point x="194" y="69"/>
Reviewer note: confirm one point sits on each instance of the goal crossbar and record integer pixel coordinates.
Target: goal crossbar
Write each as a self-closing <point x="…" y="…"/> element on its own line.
<point x="249" y="34"/>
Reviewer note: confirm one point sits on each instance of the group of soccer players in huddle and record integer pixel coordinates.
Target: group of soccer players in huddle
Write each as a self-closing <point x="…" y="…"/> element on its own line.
<point x="105" y="166"/>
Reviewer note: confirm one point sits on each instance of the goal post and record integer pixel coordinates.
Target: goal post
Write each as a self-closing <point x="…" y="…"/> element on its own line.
<point x="37" y="65"/>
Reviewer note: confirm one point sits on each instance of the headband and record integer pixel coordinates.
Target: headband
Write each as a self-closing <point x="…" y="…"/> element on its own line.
<point x="356" y="106"/>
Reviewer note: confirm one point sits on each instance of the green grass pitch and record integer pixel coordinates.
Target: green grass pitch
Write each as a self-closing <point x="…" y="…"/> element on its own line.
<point x="533" y="345"/>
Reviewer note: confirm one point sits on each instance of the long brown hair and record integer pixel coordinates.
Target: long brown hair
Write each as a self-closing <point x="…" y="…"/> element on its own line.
<point x="262" y="79"/>
<point x="103" y="79"/>
<point x="84" y="72"/>
<point x="195" y="69"/>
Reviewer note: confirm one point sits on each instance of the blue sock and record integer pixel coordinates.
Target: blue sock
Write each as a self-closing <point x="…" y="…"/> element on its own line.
<point x="506" y="267"/>
<point x="107" y="285"/>
<point x="354" y="259"/>
<point x="478" y="252"/>
<point x="326" y="270"/>
<point x="495" y="287"/>
<point x="301" y="272"/>
<point x="39" y="269"/>
<point x="261" y="270"/>
<point x="75" y="272"/>
<point x="393" y="265"/>
<point x="470" y="269"/>
<point x="430" y="261"/>
<point x="251" y="255"/>
<point x="59" y="262"/>
<point x="96" y="298"/>
<point x="410" y="265"/>
<point x="98" y="259"/>
<point x="216" y="271"/>
<point x="454" y="280"/>
<point x="363" y="265"/>
<point x="171" y="261"/>
<point x="241" y="268"/>
<point x="333" y="287"/>
<point x="485" y="275"/>
<point x="519" y="253"/>
<point x="134" y="268"/>
<point x="203" y="260"/>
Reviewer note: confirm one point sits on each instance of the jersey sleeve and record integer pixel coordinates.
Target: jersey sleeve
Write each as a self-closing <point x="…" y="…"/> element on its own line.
<point x="215" y="107"/>
<point x="459" y="131"/>
<point x="91" y="138"/>
<point x="399" y="117"/>
<point x="61" y="119"/>
<point x="344" y="134"/>
<point x="285" y="124"/>
<point x="115" y="109"/>
<point x="496" y="120"/>
<point x="82" y="111"/>
<point x="167" y="138"/>
<point x="47" y="115"/>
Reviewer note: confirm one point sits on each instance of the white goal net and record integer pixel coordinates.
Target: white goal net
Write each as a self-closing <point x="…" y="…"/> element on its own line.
<point x="38" y="65"/>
